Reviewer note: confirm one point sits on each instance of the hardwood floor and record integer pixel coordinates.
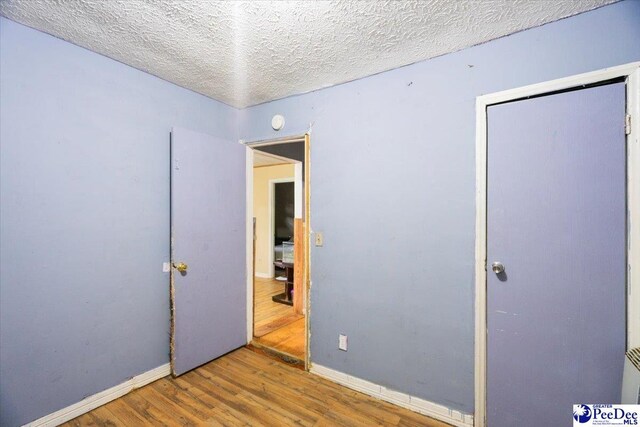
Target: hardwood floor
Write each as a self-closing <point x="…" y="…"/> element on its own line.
<point x="268" y="315"/>
<point x="276" y="326"/>
<point x="243" y="388"/>
<point x="288" y="339"/>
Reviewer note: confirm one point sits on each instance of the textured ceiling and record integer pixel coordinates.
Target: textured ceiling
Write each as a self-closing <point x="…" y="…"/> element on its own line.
<point x="245" y="53"/>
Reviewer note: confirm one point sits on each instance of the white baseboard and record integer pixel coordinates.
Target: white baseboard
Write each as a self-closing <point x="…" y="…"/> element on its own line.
<point x="99" y="399"/>
<point x="412" y="403"/>
<point x="263" y="275"/>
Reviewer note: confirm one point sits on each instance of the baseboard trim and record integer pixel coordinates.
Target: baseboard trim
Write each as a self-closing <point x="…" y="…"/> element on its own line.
<point x="263" y="275"/>
<point x="412" y="403"/>
<point x="89" y="403"/>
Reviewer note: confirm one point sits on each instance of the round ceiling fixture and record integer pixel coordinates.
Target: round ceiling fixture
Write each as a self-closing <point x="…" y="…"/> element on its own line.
<point x="277" y="122"/>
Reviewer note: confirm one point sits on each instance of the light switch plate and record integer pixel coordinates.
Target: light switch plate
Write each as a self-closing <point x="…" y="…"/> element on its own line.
<point x="342" y="342"/>
<point x="319" y="239"/>
<point x="166" y="267"/>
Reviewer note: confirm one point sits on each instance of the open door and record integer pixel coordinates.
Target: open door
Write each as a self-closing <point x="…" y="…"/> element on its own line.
<point x="208" y="275"/>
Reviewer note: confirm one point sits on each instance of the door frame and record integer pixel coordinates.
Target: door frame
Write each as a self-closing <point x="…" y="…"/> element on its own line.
<point x="250" y="145"/>
<point x="630" y="72"/>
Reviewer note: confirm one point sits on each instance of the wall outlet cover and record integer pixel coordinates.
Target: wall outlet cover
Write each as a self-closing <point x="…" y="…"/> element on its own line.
<point x="319" y="239"/>
<point x="342" y="342"/>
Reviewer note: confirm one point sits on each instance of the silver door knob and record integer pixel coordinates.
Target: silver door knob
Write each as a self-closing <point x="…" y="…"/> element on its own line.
<point x="497" y="267"/>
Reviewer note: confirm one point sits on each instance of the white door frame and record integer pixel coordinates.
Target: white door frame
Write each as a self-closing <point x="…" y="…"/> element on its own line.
<point x="631" y="72"/>
<point x="250" y="145"/>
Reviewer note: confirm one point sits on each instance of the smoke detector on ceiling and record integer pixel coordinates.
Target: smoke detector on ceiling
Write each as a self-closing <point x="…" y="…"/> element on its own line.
<point x="277" y="122"/>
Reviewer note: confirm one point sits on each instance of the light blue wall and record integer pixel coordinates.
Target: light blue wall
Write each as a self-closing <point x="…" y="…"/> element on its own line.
<point x="84" y="192"/>
<point x="84" y="177"/>
<point x="392" y="189"/>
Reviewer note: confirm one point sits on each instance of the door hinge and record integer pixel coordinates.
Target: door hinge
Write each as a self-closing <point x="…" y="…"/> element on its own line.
<point x="627" y="124"/>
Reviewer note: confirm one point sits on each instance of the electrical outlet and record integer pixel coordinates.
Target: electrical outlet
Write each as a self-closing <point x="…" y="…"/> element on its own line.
<point x="319" y="239"/>
<point x="166" y="267"/>
<point x="342" y="342"/>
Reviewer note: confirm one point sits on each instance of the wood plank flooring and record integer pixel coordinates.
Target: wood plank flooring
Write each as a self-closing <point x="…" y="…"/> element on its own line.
<point x="288" y="339"/>
<point x="268" y="315"/>
<point x="277" y="326"/>
<point x="243" y="388"/>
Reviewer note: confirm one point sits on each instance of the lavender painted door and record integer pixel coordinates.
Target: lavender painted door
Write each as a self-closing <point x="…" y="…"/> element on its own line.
<point x="556" y="220"/>
<point x="208" y="234"/>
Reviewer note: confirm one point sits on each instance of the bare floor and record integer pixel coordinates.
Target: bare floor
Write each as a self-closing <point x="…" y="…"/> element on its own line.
<point x="243" y="388"/>
<point x="276" y="325"/>
<point x="289" y="339"/>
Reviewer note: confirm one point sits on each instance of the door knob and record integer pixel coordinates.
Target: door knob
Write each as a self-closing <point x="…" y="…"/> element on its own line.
<point x="497" y="267"/>
<point x="180" y="266"/>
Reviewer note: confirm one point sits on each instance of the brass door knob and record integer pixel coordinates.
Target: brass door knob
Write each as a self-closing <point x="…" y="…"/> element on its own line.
<point x="180" y="266"/>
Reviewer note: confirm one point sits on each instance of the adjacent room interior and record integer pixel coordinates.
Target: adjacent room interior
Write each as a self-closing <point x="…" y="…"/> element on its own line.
<point x="279" y="250"/>
<point x="319" y="213"/>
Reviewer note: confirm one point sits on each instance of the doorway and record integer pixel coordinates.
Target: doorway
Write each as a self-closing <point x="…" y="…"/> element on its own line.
<point x="278" y="210"/>
<point x="554" y="311"/>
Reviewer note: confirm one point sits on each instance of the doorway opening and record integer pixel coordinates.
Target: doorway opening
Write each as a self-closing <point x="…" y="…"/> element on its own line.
<point x="278" y="215"/>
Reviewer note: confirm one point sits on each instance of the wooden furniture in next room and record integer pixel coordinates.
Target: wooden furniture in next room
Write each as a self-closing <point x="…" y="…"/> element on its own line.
<point x="286" y="297"/>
